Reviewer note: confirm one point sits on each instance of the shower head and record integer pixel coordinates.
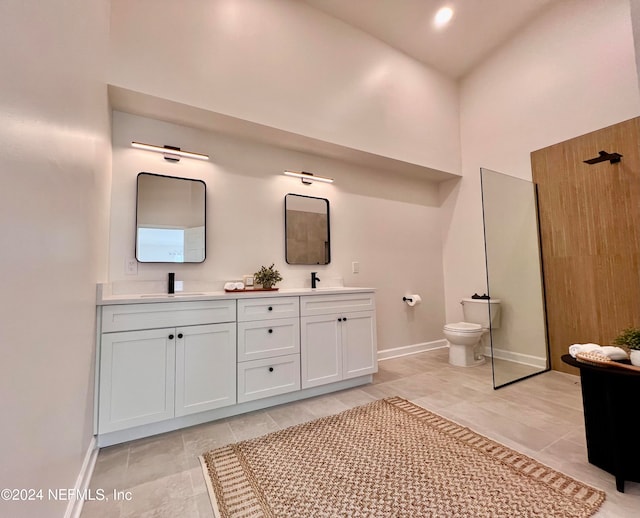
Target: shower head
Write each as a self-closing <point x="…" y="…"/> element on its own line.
<point x="613" y="158"/>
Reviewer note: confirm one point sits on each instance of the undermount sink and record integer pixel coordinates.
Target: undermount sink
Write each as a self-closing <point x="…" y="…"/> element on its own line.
<point x="325" y="288"/>
<point x="170" y="295"/>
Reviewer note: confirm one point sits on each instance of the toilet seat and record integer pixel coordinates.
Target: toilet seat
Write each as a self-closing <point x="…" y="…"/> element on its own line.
<point x="463" y="327"/>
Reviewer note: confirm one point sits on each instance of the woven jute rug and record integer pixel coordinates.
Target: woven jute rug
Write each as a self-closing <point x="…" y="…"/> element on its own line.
<point x="387" y="458"/>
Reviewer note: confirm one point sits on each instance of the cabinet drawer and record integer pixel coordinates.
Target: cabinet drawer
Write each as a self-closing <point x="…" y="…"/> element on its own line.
<point x="326" y="304"/>
<point x="269" y="377"/>
<point x="268" y="308"/>
<point x="268" y="338"/>
<point x="129" y="317"/>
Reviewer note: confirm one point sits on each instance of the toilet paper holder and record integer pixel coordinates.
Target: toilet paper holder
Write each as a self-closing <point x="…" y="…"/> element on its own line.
<point x="411" y="299"/>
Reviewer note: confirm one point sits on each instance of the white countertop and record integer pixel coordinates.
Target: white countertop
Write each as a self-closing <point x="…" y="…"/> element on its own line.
<point x="104" y="299"/>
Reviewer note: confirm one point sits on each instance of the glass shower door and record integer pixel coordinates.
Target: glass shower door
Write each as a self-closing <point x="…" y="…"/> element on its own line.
<point x="518" y="346"/>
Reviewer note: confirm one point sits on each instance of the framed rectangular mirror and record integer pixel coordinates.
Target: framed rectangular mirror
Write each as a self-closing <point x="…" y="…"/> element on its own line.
<point x="170" y="219"/>
<point x="306" y="221"/>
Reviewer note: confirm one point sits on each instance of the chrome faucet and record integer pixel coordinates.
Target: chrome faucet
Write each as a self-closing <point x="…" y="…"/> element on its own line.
<point x="314" y="279"/>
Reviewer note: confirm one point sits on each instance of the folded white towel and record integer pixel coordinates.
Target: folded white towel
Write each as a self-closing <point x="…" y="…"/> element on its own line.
<point x="229" y="285"/>
<point x="615" y="353"/>
<point x="582" y="348"/>
<point x="239" y="285"/>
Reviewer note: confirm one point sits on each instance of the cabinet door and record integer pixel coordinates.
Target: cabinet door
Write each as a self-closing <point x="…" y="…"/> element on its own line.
<point x="359" y="349"/>
<point x="320" y="350"/>
<point x="205" y="367"/>
<point x="137" y="375"/>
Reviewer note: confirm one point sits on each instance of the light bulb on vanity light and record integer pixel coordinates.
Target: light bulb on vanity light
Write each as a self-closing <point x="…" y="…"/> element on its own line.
<point x="170" y="152"/>
<point x="307" y="178"/>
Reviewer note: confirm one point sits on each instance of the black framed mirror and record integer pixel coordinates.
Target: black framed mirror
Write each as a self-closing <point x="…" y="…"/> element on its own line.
<point x="307" y="234"/>
<point x="170" y="219"/>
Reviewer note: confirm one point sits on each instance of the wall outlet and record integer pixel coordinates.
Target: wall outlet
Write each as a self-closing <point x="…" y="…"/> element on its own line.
<point x="178" y="286"/>
<point x="355" y="267"/>
<point x="131" y="267"/>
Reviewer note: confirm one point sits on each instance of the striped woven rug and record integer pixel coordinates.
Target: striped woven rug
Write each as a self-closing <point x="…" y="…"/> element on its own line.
<point x="387" y="458"/>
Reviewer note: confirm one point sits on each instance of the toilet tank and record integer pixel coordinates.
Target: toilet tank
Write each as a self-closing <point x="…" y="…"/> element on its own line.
<point x="477" y="311"/>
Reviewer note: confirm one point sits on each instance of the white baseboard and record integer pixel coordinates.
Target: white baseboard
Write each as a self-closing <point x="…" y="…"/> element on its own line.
<point x="406" y="350"/>
<point x="74" y="507"/>
<point x="525" y="359"/>
<point x="501" y="354"/>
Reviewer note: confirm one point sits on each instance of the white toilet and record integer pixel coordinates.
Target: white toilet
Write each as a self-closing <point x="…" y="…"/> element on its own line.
<point x="467" y="339"/>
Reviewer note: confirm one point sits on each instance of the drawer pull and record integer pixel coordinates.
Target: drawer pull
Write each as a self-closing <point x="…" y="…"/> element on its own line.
<point x="270" y="369"/>
<point x="180" y="335"/>
<point x="271" y="330"/>
<point x="270" y="308"/>
<point x="170" y="337"/>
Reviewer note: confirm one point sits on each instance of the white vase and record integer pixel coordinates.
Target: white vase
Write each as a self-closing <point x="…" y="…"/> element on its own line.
<point x="634" y="356"/>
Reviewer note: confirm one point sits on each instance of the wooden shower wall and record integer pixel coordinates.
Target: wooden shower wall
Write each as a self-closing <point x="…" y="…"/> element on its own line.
<point x="590" y="237"/>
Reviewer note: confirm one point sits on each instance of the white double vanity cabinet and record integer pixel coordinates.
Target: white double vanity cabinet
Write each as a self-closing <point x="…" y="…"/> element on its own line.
<point x="167" y="362"/>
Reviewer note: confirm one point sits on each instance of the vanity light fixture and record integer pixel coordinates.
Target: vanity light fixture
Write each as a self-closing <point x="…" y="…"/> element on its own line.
<point x="170" y="153"/>
<point x="308" y="178"/>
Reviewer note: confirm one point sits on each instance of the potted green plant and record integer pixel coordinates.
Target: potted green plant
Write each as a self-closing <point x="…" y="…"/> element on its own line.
<point x="630" y="338"/>
<point x="267" y="277"/>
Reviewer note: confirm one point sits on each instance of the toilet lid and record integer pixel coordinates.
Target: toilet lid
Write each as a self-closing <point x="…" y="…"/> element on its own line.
<point x="463" y="327"/>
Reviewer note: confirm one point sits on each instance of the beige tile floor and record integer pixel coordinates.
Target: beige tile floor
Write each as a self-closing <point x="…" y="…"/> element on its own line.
<point x="540" y="417"/>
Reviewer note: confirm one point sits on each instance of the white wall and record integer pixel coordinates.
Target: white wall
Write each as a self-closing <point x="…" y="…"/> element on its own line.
<point x="571" y="71"/>
<point x="284" y="64"/>
<point x="389" y="224"/>
<point x="635" y="23"/>
<point x="54" y="144"/>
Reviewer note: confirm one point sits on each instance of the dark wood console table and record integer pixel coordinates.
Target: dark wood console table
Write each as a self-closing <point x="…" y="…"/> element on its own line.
<point x="610" y="402"/>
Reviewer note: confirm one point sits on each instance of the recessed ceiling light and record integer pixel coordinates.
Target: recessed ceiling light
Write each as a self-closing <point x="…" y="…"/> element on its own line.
<point x="443" y="16"/>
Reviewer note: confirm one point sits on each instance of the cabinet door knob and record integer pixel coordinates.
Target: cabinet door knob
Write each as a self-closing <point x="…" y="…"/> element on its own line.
<point x="271" y="330"/>
<point x="180" y="335"/>
<point x="270" y="369"/>
<point x="339" y="320"/>
<point x="170" y="337"/>
<point x="344" y="318"/>
<point x="270" y="308"/>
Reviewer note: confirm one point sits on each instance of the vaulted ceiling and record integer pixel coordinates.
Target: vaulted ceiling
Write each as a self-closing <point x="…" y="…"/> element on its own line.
<point x="477" y="28"/>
